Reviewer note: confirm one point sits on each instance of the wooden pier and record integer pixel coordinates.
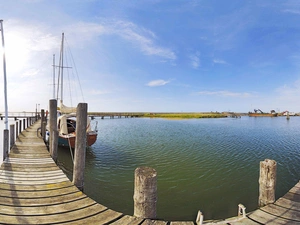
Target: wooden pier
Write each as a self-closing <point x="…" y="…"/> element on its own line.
<point x="34" y="190"/>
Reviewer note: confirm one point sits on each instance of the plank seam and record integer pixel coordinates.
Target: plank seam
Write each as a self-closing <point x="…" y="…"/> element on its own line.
<point x="278" y="216"/>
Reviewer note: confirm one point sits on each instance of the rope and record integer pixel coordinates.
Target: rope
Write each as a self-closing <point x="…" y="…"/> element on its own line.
<point x="70" y="150"/>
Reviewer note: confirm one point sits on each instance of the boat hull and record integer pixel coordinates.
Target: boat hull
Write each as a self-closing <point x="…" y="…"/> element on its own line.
<point x="69" y="140"/>
<point x="263" y="114"/>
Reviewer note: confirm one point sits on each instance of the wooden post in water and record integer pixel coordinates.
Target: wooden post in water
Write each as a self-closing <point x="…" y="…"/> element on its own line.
<point x="80" y="146"/>
<point x="54" y="144"/>
<point x="145" y="192"/>
<point x="267" y="182"/>
<point x="5" y="143"/>
<point x="12" y="135"/>
<point x="52" y="127"/>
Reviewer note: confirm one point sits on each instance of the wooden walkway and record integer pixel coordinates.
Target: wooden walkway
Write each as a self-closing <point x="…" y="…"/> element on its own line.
<point x="33" y="190"/>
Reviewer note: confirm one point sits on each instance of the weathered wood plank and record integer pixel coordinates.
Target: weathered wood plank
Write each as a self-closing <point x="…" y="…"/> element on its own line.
<point x="81" y="216"/>
<point x="283" y="202"/>
<point x="35" y="187"/>
<point x="154" y="222"/>
<point x="282" y="212"/>
<point x="129" y="220"/>
<point x="38" y="194"/>
<point x="53" y="200"/>
<point x="266" y="218"/>
<point x="182" y="223"/>
<point x="50" y="209"/>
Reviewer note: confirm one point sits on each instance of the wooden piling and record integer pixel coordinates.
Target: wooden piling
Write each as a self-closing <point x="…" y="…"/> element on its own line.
<point x="17" y="129"/>
<point x="145" y="192"/>
<point x="43" y="125"/>
<point x="54" y="144"/>
<point x="20" y="126"/>
<point x="80" y="146"/>
<point x="12" y="135"/>
<point x="24" y="124"/>
<point x="5" y="143"/>
<point x="267" y="182"/>
<point x="53" y="126"/>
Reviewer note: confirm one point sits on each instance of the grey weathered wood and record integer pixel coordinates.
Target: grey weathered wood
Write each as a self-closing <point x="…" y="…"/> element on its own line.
<point x="54" y="144"/>
<point x="12" y="135"/>
<point x="130" y="220"/>
<point x="145" y="192"/>
<point x="20" y="126"/>
<point x="24" y="124"/>
<point x="52" y="126"/>
<point x="267" y="182"/>
<point x="17" y="129"/>
<point x="5" y="143"/>
<point x="80" y="145"/>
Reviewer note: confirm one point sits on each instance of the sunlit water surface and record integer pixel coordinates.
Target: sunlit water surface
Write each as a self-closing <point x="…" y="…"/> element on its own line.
<point x="210" y="165"/>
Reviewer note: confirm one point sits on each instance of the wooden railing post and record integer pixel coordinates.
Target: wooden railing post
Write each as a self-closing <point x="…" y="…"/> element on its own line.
<point x="12" y="135"/>
<point x="52" y="127"/>
<point x="5" y="143"/>
<point x="80" y="146"/>
<point x="24" y="124"/>
<point x="20" y="126"/>
<point x="43" y="124"/>
<point x="145" y="192"/>
<point x="267" y="182"/>
<point x="17" y="129"/>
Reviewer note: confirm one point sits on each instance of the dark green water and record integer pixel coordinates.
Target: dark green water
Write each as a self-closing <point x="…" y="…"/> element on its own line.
<point x="210" y="165"/>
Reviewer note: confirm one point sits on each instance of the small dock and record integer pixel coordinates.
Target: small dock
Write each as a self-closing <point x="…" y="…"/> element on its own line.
<point x="34" y="190"/>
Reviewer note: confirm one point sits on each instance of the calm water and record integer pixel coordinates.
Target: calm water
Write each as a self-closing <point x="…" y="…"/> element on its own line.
<point x="210" y="165"/>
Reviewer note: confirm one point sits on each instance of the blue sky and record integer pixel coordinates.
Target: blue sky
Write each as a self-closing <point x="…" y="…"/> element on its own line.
<point x="156" y="55"/>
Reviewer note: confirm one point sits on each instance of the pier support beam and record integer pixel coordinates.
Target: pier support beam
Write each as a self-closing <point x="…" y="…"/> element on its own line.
<point x="267" y="182"/>
<point x="145" y="192"/>
<point x="80" y="146"/>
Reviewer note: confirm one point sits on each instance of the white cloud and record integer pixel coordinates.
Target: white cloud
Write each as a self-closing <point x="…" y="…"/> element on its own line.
<point x="143" y="39"/>
<point x="155" y="83"/>
<point x="219" y="61"/>
<point x="195" y="60"/>
<point x="226" y="94"/>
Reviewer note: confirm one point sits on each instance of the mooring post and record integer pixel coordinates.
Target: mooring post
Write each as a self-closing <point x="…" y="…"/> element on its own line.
<point x="12" y="135"/>
<point x="5" y="143"/>
<point x="267" y="182"/>
<point x="24" y="124"/>
<point x="80" y="146"/>
<point x="17" y="129"/>
<point x="43" y="124"/>
<point x="20" y="126"/>
<point x="145" y="192"/>
<point x="54" y="144"/>
<point x="52" y="126"/>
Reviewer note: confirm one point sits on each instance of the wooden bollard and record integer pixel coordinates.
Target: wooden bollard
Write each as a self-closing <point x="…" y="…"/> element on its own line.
<point x="80" y="146"/>
<point x="267" y="182"/>
<point x="145" y="192"/>
<point x="12" y="135"/>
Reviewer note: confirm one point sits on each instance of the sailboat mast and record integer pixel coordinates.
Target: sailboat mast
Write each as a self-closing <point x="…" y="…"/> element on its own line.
<point x="53" y="76"/>
<point x="5" y="81"/>
<point x="62" y="66"/>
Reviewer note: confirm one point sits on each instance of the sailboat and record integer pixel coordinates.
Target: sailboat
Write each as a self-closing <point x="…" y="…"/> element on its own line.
<point x="66" y="118"/>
